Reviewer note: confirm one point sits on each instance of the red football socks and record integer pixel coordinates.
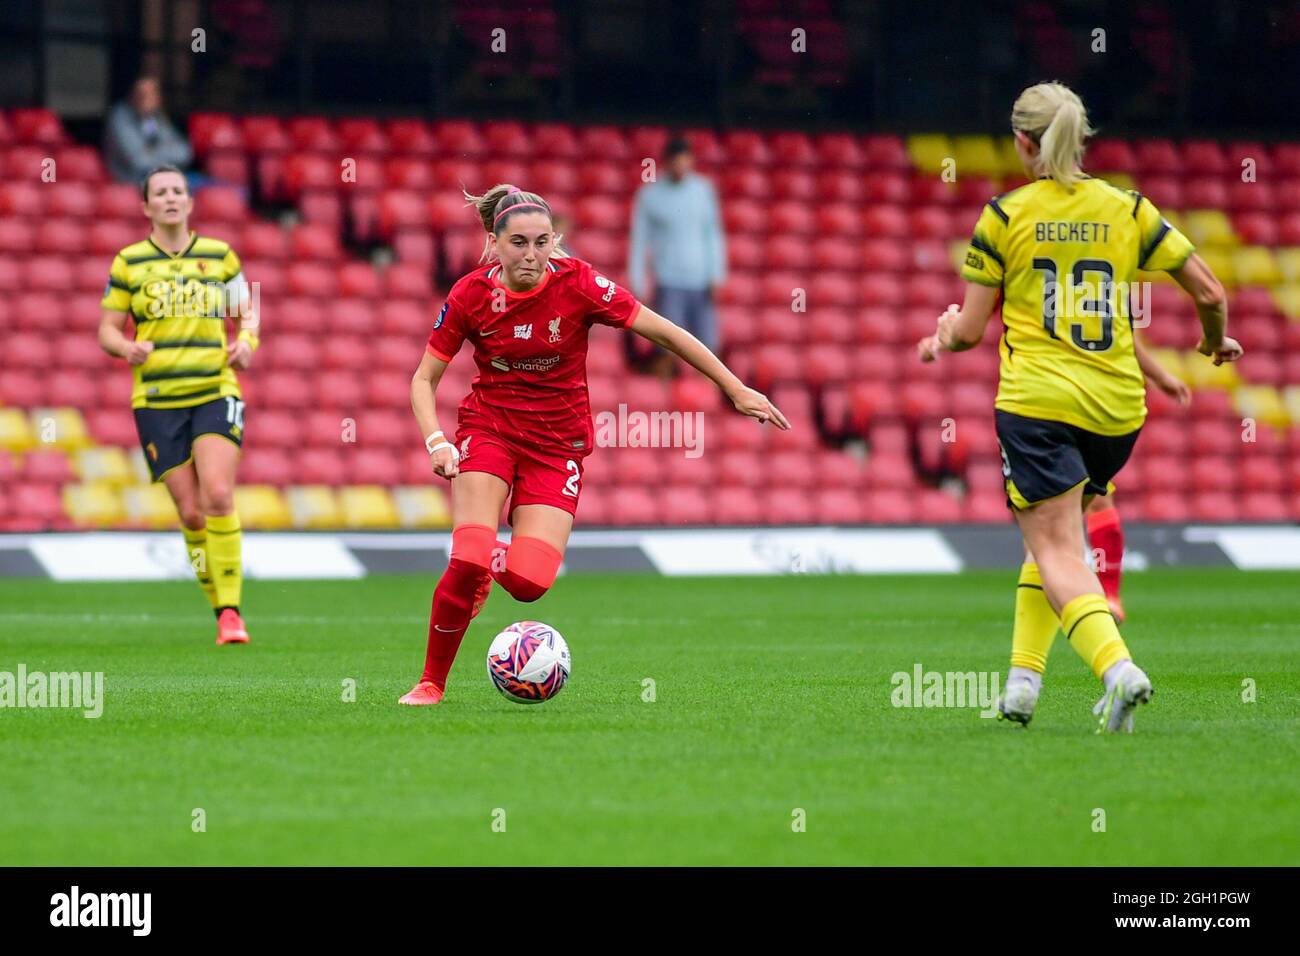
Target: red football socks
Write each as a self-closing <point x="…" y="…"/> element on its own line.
<point x="453" y="598"/>
<point x="531" y="567"/>
<point x="1106" y="539"/>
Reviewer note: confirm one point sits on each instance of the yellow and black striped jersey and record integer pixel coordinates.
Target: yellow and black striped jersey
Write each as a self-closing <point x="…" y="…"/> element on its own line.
<point x="179" y="303"/>
<point x="1066" y="262"/>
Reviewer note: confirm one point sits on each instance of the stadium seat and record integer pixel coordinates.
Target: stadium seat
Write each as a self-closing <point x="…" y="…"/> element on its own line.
<point x="151" y="507"/>
<point x="93" y="505"/>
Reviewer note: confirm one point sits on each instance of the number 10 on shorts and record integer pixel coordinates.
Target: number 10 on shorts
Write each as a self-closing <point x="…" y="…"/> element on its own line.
<point x="235" y="412"/>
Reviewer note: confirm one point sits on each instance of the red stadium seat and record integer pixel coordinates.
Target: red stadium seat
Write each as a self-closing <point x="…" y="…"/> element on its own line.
<point x="312" y="280"/>
<point x="72" y="199"/>
<point x="47" y="467"/>
<point x="263" y="241"/>
<point x="1158" y="157"/>
<point x="401" y="209"/>
<point x="685" y="505"/>
<point x="119" y="201"/>
<point x="61" y="236"/>
<point x="410" y="136"/>
<point x="407" y="281"/>
<point x="36" y="507"/>
<point x="112" y="426"/>
<point x="1110" y="156"/>
<point x="303" y="171"/>
<point x="885" y="221"/>
<point x="787" y="506"/>
<point x="108" y="236"/>
<point x="37" y="126"/>
<point x="309" y="241"/>
<point x="886" y="153"/>
<point x="607" y="141"/>
<point x="229" y="167"/>
<point x="839" y="150"/>
<point x="736" y="506"/>
<point x="792" y="149"/>
<point x="890" y="506"/>
<point x="1204" y="158"/>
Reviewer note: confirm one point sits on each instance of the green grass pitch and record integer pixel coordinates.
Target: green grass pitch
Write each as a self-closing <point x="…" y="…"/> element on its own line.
<point x="772" y="696"/>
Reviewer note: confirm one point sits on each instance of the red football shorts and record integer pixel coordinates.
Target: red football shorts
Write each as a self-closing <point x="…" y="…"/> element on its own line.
<point x="535" y="477"/>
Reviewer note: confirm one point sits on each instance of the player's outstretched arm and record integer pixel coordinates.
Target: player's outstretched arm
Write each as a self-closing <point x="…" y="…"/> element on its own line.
<point x="654" y="327"/>
<point x="961" y="328"/>
<point x="443" y="457"/>
<point x="1211" y="307"/>
<point x="113" y="340"/>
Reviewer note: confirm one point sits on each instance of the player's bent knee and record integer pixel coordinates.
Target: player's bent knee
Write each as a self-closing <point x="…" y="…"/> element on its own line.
<point x="531" y="567"/>
<point x="217" y="499"/>
<point x="472" y="544"/>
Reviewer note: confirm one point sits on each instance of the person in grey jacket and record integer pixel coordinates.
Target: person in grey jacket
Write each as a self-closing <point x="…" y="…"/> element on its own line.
<point x="676" y="221"/>
<point x="139" y="136"/>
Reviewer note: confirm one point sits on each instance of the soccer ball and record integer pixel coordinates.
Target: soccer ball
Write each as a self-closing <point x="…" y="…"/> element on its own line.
<point x="528" y="662"/>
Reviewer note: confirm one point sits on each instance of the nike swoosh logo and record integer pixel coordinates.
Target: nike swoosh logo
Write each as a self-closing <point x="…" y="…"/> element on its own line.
<point x="446" y="630"/>
<point x="484" y="335"/>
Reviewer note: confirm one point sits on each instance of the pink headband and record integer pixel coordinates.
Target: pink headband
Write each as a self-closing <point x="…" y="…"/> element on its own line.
<point x="518" y="205"/>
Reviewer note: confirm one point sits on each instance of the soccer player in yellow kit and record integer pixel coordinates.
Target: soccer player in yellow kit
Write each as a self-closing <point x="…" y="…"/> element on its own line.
<point x="1062" y="252"/>
<point x="178" y="288"/>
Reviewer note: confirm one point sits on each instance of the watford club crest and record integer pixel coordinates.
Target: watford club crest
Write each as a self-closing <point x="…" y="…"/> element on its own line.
<point x="152" y="449"/>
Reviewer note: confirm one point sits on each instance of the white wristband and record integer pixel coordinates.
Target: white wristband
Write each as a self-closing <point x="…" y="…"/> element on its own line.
<point x="430" y="439"/>
<point x="446" y="444"/>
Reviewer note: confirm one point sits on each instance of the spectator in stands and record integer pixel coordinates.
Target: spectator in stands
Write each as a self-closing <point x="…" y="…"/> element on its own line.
<point x="139" y="136"/>
<point x="675" y="219"/>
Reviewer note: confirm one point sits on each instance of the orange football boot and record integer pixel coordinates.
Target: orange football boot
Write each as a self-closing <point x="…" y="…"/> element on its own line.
<point x="422" y="694"/>
<point x="230" y="628"/>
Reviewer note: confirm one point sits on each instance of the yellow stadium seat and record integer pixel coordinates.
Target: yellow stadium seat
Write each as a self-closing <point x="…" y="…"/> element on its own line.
<point x="1171" y="360"/>
<point x="367" y="506"/>
<point x="93" y="505"/>
<point x="1200" y="372"/>
<point x="1256" y="265"/>
<point x="1007" y="158"/>
<point x="139" y="468"/>
<point x="1288" y="299"/>
<point x="149" y="505"/>
<point x="313" y="506"/>
<point x="1220" y="262"/>
<point x="15" y="431"/>
<point x="976" y="156"/>
<point x="422" y="506"/>
<point x="929" y="150"/>
<point x="1291" y="400"/>
<point x="107" y="464"/>
<point x="59" y="428"/>
<point x="1210" y="227"/>
<point x="1125" y="181"/>
<point x="1262" y="403"/>
<point x="261" y="506"/>
<point x="1288" y="263"/>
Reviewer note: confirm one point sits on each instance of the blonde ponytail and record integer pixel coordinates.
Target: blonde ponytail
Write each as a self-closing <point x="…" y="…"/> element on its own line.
<point x="1052" y="115"/>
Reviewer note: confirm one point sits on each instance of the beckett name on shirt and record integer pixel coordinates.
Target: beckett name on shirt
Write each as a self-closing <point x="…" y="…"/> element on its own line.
<point x="1071" y="231"/>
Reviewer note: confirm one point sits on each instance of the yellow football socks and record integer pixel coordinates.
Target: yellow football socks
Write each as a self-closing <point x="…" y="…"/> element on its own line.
<point x="1090" y="629"/>
<point x="225" y="559"/>
<point x="1036" y="623"/>
<point x="196" y="552"/>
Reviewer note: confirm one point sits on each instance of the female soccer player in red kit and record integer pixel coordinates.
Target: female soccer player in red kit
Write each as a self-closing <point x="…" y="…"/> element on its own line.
<point x="525" y="428"/>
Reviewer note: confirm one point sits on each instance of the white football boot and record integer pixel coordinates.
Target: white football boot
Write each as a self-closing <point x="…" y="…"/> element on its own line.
<point x="1017" y="702"/>
<point x="1115" y="709"/>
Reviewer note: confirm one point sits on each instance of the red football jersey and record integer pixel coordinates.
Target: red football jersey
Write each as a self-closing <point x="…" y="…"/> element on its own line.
<point x="531" y="350"/>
